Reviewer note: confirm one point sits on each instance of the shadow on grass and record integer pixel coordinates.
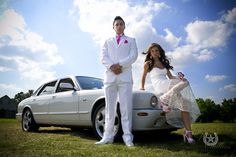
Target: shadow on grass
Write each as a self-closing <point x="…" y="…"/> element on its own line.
<point x="174" y="142"/>
<point x="79" y="132"/>
<point x="156" y="139"/>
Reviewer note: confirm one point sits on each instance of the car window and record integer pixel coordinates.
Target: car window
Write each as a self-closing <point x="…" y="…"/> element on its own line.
<point x="88" y="83"/>
<point x="66" y="80"/>
<point x="48" y="88"/>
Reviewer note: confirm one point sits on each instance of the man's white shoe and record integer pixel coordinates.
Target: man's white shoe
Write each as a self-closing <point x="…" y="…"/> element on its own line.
<point x="104" y="141"/>
<point x="129" y="144"/>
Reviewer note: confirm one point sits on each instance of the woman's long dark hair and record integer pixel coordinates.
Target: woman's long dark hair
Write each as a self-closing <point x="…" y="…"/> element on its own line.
<point x="163" y="59"/>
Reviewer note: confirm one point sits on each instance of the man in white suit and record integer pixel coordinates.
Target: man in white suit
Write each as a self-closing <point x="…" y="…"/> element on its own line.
<point x="117" y="55"/>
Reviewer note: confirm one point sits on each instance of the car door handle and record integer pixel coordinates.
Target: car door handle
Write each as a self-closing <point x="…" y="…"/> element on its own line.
<point x="53" y="96"/>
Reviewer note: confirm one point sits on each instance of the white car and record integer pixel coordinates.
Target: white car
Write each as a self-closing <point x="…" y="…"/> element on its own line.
<point x="79" y="102"/>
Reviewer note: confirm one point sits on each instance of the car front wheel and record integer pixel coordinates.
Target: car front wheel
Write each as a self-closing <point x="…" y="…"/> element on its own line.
<point x="28" y="124"/>
<point x="99" y="122"/>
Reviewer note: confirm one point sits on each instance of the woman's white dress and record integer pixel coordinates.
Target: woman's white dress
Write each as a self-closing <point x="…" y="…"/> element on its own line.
<point x="177" y="94"/>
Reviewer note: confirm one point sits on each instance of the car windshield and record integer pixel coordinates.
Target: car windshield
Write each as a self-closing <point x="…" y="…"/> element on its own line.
<point x="87" y="83"/>
<point x="35" y="92"/>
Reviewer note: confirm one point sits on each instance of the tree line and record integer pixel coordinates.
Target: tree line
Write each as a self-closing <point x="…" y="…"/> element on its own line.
<point x="210" y="111"/>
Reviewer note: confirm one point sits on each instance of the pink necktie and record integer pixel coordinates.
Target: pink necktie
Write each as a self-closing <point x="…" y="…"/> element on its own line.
<point x="118" y="39"/>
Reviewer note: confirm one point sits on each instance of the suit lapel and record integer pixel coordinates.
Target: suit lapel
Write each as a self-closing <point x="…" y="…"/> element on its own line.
<point x="115" y="42"/>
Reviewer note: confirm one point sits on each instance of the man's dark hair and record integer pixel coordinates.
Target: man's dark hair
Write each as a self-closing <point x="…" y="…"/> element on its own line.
<point x="118" y="18"/>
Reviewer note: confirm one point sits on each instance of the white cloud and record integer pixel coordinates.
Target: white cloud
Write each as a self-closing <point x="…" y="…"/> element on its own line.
<point x="33" y="70"/>
<point x="205" y="55"/>
<point x="230" y="88"/>
<point x="210" y="97"/>
<point x="12" y="25"/>
<point x="207" y="34"/>
<point x="10" y="87"/>
<point x="230" y="17"/>
<point x="172" y="39"/>
<point x="96" y="17"/>
<point x="5" y="69"/>
<point x="202" y="36"/>
<point x="30" y="69"/>
<point x="183" y="56"/>
<point x="215" y="78"/>
<point x="14" y="34"/>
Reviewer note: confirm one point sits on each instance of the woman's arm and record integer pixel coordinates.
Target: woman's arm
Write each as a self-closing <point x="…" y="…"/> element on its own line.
<point x="145" y="71"/>
<point x="170" y="76"/>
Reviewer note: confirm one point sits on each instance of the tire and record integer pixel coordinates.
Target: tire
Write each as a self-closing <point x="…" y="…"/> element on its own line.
<point x="99" y="122"/>
<point x="28" y="123"/>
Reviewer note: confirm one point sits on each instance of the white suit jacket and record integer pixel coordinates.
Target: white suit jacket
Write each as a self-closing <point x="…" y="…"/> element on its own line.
<point x="125" y="54"/>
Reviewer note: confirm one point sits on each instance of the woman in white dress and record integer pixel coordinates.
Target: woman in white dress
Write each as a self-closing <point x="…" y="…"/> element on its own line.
<point x="175" y="92"/>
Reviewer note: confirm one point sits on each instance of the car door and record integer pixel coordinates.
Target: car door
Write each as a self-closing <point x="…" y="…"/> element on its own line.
<point x="90" y="92"/>
<point x="40" y="102"/>
<point x="63" y="109"/>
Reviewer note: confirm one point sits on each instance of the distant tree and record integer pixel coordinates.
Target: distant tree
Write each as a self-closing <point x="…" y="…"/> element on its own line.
<point x="228" y="110"/>
<point x="209" y="110"/>
<point x="201" y="105"/>
<point x="21" y="96"/>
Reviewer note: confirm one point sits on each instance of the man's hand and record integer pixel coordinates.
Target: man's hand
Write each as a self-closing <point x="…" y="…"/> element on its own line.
<point x="116" y="68"/>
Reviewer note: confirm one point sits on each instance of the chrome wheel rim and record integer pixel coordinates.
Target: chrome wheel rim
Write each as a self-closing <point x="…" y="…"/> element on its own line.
<point x="100" y="122"/>
<point x="27" y="120"/>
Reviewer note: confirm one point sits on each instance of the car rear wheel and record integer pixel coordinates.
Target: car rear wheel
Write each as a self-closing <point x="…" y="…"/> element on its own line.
<point x="99" y="122"/>
<point x="28" y="124"/>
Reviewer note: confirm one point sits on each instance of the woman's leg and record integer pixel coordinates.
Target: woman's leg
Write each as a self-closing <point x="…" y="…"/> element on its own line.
<point x="174" y="90"/>
<point x="186" y="122"/>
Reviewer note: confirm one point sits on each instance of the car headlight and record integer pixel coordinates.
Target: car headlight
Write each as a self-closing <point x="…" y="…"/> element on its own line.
<point x="154" y="101"/>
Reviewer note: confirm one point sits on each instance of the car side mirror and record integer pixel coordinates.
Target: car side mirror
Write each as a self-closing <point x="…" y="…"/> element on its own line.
<point x="66" y="86"/>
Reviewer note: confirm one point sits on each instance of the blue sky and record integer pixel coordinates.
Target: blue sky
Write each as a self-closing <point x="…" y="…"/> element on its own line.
<point x="46" y="39"/>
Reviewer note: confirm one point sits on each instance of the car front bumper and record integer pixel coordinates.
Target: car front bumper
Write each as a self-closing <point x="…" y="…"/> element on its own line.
<point x="149" y="119"/>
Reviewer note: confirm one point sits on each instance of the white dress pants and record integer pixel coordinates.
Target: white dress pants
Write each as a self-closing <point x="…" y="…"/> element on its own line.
<point x="122" y="91"/>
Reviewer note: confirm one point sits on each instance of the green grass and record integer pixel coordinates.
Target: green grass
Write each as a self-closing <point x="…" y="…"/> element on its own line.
<point x="56" y="141"/>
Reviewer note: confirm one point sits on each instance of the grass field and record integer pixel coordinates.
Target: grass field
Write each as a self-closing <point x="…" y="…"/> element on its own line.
<point x="56" y="141"/>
